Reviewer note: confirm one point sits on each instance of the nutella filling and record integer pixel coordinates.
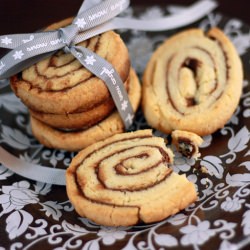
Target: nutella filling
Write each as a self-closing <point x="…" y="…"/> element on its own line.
<point x="193" y="64"/>
<point x="165" y="159"/>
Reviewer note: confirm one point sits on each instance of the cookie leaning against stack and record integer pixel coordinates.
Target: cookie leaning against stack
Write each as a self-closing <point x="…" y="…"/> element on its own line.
<point x="126" y="179"/>
<point x="66" y="99"/>
<point x="192" y="82"/>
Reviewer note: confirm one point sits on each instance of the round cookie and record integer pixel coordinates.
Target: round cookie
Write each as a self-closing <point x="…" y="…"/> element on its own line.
<point x="59" y="84"/>
<point x="126" y="179"/>
<point x="192" y="82"/>
<point x="76" y="120"/>
<point x="77" y="140"/>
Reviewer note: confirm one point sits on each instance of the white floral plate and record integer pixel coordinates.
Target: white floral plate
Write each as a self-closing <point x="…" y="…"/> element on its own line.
<point x="36" y="215"/>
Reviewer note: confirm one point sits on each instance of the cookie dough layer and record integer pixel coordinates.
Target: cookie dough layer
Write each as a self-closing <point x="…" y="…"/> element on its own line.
<point x="192" y="82"/>
<point x="125" y="179"/>
<point x="76" y="120"/>
<point x="77" y="140"/>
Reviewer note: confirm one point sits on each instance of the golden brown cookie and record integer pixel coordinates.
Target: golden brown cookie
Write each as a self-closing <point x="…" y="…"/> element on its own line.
<point x="76" y="140"/>
<point x="59" y="84"/>
<point x="76" y="120"/>
<point x="126" y="179"/>
<point x="192" y="82"/>
<point x="187" y="143"/>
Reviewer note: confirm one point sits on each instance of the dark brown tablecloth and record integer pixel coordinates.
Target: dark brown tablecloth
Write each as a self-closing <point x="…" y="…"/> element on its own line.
<point x="18" y="16"/>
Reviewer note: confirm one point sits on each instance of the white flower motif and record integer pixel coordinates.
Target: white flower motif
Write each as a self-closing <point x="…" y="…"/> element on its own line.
<point x="80" y="23"/>
<point x="129" y="118"/>
<point x="111" y="234"/>
<point x="18" y="54"/>
<point x="18" y="195"/>
<point x="27" y="158"/>
<point x="232" y="205"/>
<point x="182" y="163"/>
<point x="6" y="40"/>
<point x="124" y="105"/>
<point x="90" y="60"/>
<point x="226" y="245"/>
<point x="196" y="235"/>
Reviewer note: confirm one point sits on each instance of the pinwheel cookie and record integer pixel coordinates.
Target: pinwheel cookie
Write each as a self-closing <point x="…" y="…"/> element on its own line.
<point x="192" y="82"/>
<point x="74" y="140"/>
<point x="126" y="179"/>
<point x="60" y="92"/>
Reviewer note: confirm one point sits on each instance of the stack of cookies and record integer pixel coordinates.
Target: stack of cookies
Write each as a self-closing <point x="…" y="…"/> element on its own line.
<point x="70" y="107"/>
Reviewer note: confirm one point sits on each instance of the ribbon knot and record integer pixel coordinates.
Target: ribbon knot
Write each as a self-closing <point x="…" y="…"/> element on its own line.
<point x="67" y="35"/>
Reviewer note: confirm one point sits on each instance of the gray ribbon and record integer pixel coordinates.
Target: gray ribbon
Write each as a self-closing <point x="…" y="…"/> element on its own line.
<point x="90" y="21"/>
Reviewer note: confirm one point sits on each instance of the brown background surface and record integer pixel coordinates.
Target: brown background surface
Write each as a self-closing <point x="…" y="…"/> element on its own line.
<point x="20" y="16"/>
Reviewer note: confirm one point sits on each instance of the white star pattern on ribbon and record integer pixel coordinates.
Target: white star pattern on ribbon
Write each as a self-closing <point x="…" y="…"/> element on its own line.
<point x="124" y="105"/>
<point x="130" y="118"/>
<point x="6" y="40"/>
<point x="80" y="23"/>
<point x="18" y="54"/>
<point x="90" y="60"/>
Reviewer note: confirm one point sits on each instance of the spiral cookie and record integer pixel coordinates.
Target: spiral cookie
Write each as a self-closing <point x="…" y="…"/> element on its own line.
<point x="81" y="138"/>
<point x="60" y="85"/>
<point x="125" y="179"/>
<point x="192" y="82"/>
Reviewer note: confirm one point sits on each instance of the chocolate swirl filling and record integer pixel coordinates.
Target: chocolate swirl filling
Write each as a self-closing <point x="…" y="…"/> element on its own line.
<point x="128" y="166"/>
<point x="193" y="66"/>
<point x="126" y="179"/>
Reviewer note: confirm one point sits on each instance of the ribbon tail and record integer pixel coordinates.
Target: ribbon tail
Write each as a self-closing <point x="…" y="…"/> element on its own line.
<point x="184" y="18"/>
<point x="24" y="65"/>
<point x="99" y="13"/>
<point x="189" y="15"/>
<point x="30" y="53"/>
<point x="32" y="171"/>
<point x="105" y="71"/>
<point x="16" y="40"/>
